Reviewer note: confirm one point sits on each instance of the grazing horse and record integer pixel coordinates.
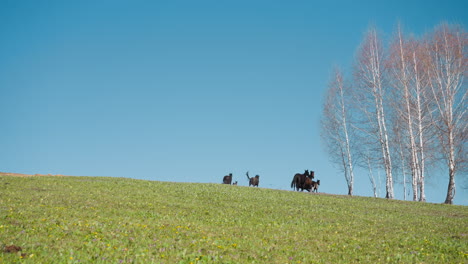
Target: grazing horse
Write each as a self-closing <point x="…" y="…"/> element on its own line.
<point x="253" y="181"/>
<point x="227" y="179"/>
<point x="300" y="179"/>
<point x="315" y="185"/>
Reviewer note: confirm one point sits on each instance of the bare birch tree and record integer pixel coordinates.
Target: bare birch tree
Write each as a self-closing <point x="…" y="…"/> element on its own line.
<point x="369" y="76"/>
<point x="410" y="85"/>
<point x="424" y="107"/>
<point x="335" y="127"/>
<point x="401" y="75"/>
<point x="427" y="115"/>
<point x="448" y="67"/>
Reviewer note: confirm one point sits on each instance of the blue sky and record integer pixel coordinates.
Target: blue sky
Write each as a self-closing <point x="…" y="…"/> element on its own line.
<point x="186" y="90"/>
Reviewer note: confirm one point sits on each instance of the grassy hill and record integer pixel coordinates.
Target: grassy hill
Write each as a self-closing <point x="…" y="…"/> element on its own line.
<point x="116" y="220"/>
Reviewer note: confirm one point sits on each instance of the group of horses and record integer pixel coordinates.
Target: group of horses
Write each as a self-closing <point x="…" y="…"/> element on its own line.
<point x="304" y="181"/>
<point x="301" y="181"/>
<point x="253" y="181"/>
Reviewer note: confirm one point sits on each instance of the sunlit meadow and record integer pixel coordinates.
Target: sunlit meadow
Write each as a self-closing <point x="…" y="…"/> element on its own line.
<point x="117" y="220"/>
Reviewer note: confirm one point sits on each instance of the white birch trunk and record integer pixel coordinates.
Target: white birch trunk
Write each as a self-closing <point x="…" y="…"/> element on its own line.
<point x="421" y="132"/>
<point x="371" y="177"/>
<point x="403" y="164"/>
<point x="405" y="83"/>
<point x="377" y="89"/>
<point x="448" y="68"/>
<point x="344" y="125"/>
<point x="335" y="129"/>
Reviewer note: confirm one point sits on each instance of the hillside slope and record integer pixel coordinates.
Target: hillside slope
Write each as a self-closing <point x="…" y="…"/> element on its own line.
<point x="117" y="220"/>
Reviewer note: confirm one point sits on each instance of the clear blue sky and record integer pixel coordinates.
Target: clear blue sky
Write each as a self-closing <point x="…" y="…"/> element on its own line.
<point x="186" y="90"/>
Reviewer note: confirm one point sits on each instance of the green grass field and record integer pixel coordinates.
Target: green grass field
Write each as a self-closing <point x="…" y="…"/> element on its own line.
<point x="116" y="220"/>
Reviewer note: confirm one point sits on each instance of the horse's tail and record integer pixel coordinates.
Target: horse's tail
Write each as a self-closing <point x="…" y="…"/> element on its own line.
<point x="247" y="175"/>
<point x="293" y="183"/>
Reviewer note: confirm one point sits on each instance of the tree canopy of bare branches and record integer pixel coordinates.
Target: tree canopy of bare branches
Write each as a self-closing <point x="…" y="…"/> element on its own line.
<point x="369" y="75"/>
<point x="408" y="103"/>
<point x="335" y="127"/>
<point x="447" y="49"/>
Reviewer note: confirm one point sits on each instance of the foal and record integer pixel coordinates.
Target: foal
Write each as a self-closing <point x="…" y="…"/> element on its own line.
<point x="315" y="185"/>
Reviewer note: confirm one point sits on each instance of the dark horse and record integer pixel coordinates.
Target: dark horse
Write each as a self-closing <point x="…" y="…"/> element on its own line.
<point x="303" y="181"/>
<point x="227" y="179"/>
<point x="308" y="184"/>
<point x="315" y="185"/>
<point x="254" y="181"/>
